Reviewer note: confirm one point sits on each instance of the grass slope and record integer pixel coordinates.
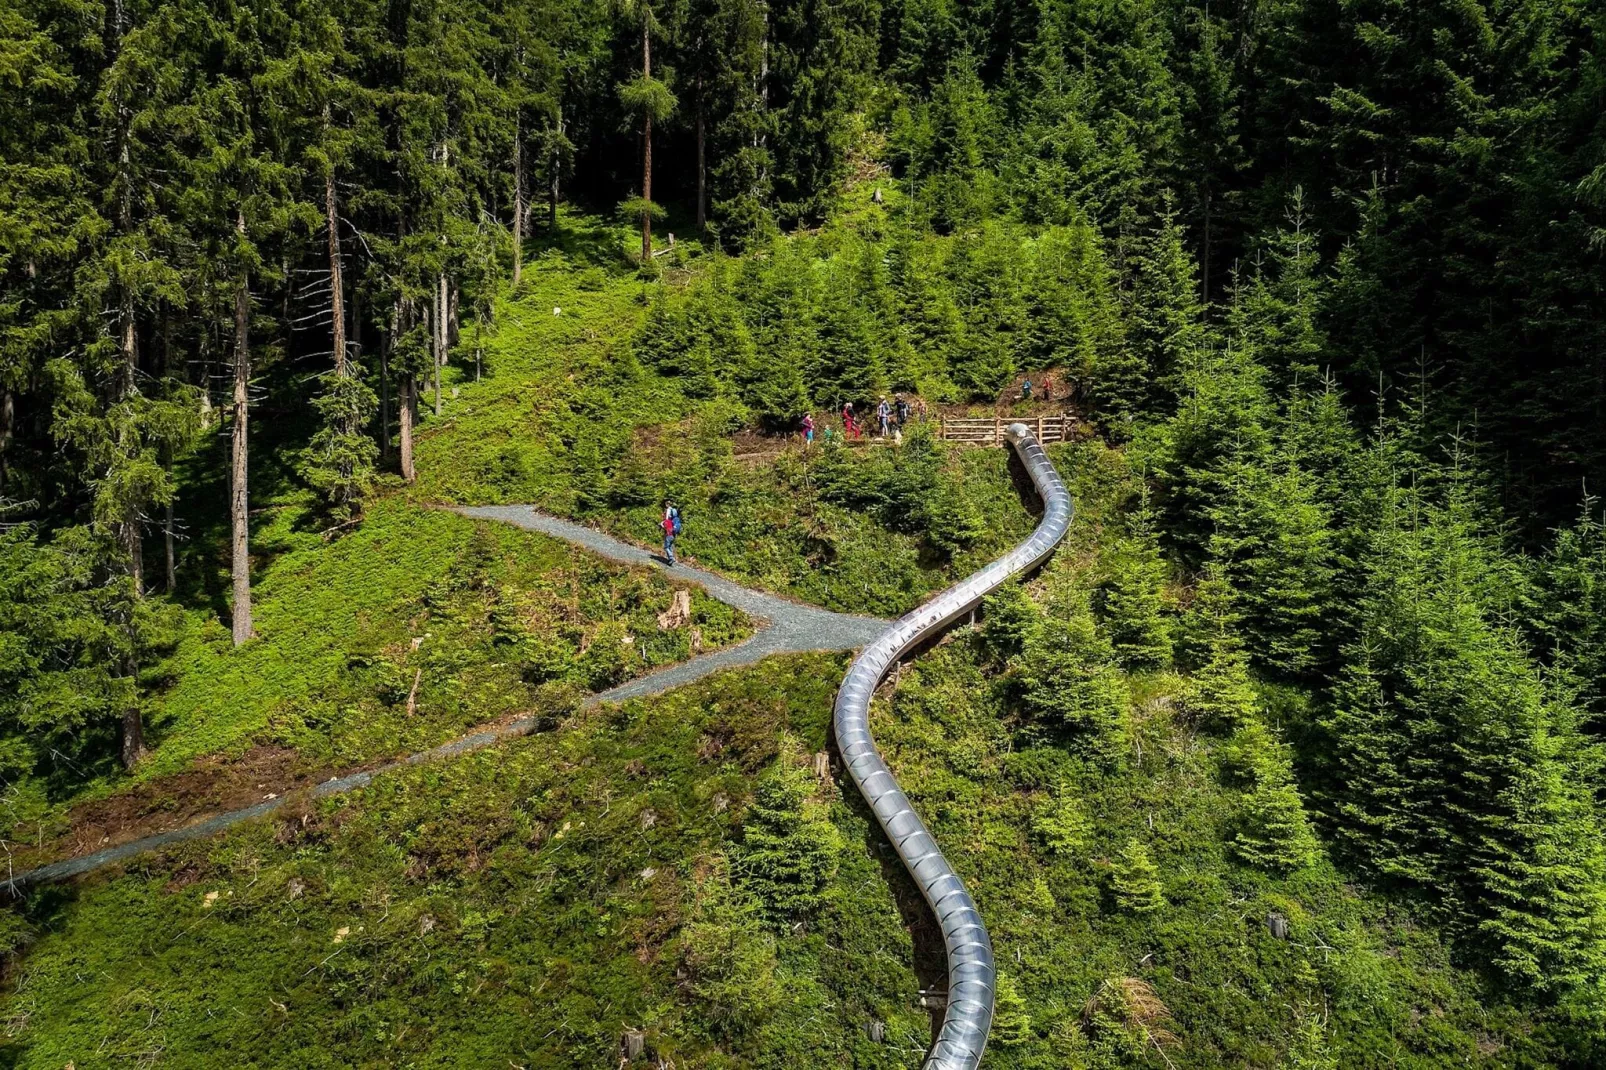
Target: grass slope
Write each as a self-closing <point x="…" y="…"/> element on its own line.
<point x="530" y="905"/>
<point x="487" y="621"/>
<point x="643" y="867"/>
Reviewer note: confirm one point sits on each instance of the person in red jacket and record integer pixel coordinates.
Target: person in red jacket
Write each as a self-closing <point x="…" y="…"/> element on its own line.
<point x="669" y="539"/>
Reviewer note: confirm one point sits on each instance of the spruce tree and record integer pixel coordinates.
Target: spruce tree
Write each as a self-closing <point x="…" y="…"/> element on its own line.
<point x="1270" y="828"/>
<point x="1275" y="314"/>
<point x="1224" y="425"/>
<point x="821" y="58"/>
<point x="1061" y="823"/>
<point x="789" y="846"/>
<point x="1572" y="610"/>
<point x="1220" y="696"/>
<point x="650" y="101"/>
<point x="1135" y="880"/>
<point x="1073" y="318"/>
<point x="1164" y="326"/>
<point x="1068" y="677"/>
<point x="1131" y="598"/>
<point x="985" y="276"/>
<point x="927" y="318"/>
<point x="1012" y="1019"/>
<point x="69" y="640"/>
<point x="1310" y="1049"/>
<point x="848" y="363"/>
<point x="1273" y="540"/>
<point x="728" y="955"/>
<point x="1457" y="771"/>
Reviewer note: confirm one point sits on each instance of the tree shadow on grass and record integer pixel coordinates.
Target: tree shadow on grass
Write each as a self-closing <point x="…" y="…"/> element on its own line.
<point x="586" y="239"/>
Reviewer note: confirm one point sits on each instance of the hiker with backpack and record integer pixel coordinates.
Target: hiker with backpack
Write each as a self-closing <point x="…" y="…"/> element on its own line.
<point x="808" y="429"/>
<point x="671" y="526"/>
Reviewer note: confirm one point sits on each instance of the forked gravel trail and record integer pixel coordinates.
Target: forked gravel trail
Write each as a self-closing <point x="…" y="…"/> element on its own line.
<point x="783" y="627"/>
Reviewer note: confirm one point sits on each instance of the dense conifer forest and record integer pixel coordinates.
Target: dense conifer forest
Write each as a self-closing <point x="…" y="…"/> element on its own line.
<point x="1293" y="757"/>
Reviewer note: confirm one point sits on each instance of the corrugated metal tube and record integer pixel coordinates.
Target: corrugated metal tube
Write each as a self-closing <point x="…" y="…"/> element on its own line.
<point x="971" y="973"/>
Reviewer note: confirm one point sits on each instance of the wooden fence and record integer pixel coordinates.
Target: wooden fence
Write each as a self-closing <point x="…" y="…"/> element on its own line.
<point x="989" y="430"/>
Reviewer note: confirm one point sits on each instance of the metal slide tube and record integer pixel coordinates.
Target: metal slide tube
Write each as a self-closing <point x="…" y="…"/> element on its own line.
<point x="971" y="975"/>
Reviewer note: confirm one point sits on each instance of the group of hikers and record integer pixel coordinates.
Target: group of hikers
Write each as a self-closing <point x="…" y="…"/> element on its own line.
<point x="890" y="416"/>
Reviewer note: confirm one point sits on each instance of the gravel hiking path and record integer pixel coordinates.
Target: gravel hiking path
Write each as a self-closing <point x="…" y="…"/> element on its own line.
<point x="784" y="627"/>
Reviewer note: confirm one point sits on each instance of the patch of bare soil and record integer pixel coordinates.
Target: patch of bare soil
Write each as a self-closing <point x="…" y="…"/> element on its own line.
<point x="1054" y="391"/>
<point x="212" y="786"/>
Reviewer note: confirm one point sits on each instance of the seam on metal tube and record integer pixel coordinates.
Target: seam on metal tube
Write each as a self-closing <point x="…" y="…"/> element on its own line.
<point x="972" y="975"/>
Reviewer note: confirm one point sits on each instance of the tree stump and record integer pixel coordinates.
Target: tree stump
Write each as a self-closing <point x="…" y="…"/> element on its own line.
<point x="632" y="1044"/>
<point x="678" y="613"/>
<point x="876" y="1030"/>
<point x="1277" y="925"/>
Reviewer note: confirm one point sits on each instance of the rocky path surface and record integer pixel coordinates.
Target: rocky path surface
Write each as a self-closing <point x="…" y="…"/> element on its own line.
<point x="784" y="627"/>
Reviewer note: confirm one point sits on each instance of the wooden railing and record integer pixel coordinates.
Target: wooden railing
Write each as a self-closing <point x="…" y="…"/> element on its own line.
<point x="989" y="430"/>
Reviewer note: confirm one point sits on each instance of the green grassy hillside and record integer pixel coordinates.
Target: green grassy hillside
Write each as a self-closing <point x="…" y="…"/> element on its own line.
<point x="569" y="419"/>
<point x="529" y="905"/>
<point x="691" y="866"/>
<point x="402" y="634"/>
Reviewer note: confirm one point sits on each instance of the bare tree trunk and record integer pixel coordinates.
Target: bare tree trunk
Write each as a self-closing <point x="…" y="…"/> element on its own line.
<point x="646" y="145"/>
<point x="760" y="139"/>
<point x="133" y="730"/>
<point x="336" y="280"/>
<point x="130" y="534"/>
<point x="408" y="408"/>
<point x="239" y="499"/>
<point x="206" y="380"/>
<point x="132" y="537"/>
<point x="133" y="733"/>
<point x="385" y="348"/>
<point x="518" y="199"/>
<point x="702" y="164"/>
<point x="167" y="455"/>
<point x="172" y="560"/>
<point x="1205" y="267"/>
<point x="553" y="191"/>
<point x="8" y="419"/>
<point x="356" y="325"/>
<point x="439" y="334"/>
<point x="440" y="339"/>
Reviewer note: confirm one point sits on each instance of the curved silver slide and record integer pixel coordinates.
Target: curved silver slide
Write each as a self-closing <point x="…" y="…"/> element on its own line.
<point x="971" y="975"/>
